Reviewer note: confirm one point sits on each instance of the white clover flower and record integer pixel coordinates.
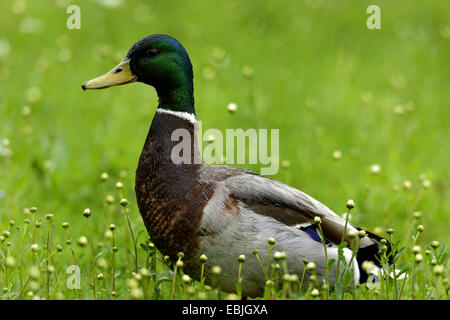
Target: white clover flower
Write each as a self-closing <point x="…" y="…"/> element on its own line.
<point x="337" y="154"/>
<point x="407" y="184"/>
<point x="10" y="261"/>
<point x="375" y="169"/>
<point x="350" y="204"/>
<point x="232" y="107"/>
<point x="311" y="266"/>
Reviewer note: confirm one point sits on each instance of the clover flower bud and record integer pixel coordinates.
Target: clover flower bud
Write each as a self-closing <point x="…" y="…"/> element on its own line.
<point x="136" y="293"/>
<point x="426" y="184"/>
<point x="416" y="249"/>
<point x="34" y="286"/>
<point x="277" y="256"/>
<point x="137" y="276"/>
<point x="367" y="265"/>
<point x="110" y="199"/>
<point x="337" y="154"/>
<point x="231" y="296"/>
<point x="438" y="270"/>
<point x="247" y="71"/>
<point x="435" y="244"/>
<point x="216" y="270"/>
<point x="232" y="107"/>
<point x="82" y="241"/>
<point x="108" y="234"/>
<point x="311" y="266"/>
<point x="375" y="169"/>
<point x="132" y="283"/>
<point x="315" y="292"/>
<point x="34" y="273"/>
<point x="185" y="278"/>
<point x="418" y="258"/>
<point x="417" y="215"/>
<point x="407" y="184"/>
<point x="87" y="212"/>
<point x="350" y="204"/>
<point x="123" y="202"/>
<point x="293" y="278"/>
<point x="10" y="261"/>
<point x="104" y="176"/>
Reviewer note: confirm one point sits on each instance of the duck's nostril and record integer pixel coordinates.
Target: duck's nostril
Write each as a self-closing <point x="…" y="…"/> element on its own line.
<point x="118" y="70"/>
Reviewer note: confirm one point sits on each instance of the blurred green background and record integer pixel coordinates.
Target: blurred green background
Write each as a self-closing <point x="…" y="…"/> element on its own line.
<point x="309" y="68"/>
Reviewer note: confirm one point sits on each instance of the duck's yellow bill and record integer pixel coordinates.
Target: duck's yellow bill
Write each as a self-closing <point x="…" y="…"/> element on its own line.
<point x="121" y="74"/>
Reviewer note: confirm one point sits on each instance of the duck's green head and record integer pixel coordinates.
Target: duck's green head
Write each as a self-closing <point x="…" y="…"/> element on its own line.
<point x="158" y="60"/>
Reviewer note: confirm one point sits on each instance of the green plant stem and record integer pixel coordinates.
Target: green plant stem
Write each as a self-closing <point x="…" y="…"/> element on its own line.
<point x="326" y="259"/>
<point x="347" y="217"/>
<point x="134" y="241"/>
<point x="354" y="251"/>
<point x="113" y="275"/>
<point x="174" y="280"/>
<point x="93" y="258"/>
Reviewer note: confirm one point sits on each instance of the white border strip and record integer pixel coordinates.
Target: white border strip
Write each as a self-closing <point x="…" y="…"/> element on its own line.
<point x="184" y="115"/>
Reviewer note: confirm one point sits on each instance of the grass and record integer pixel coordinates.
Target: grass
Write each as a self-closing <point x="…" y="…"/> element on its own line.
<point x="362" y="115"/>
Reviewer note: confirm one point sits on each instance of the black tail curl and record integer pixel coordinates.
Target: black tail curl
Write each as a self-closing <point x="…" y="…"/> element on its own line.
<point x="372" y="253"/>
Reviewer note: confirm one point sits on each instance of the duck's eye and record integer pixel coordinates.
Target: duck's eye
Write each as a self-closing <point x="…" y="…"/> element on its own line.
<point x="152" y="52"/>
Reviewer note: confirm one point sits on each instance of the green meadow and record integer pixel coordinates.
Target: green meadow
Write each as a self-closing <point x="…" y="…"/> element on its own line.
<point x="362" y="114"/>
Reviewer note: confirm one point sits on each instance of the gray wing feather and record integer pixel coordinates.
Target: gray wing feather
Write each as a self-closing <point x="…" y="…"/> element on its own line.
<point x="268" y="197"/>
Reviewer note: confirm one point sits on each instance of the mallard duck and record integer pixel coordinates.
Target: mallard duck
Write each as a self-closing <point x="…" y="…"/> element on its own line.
<point x="216" y="210"/>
